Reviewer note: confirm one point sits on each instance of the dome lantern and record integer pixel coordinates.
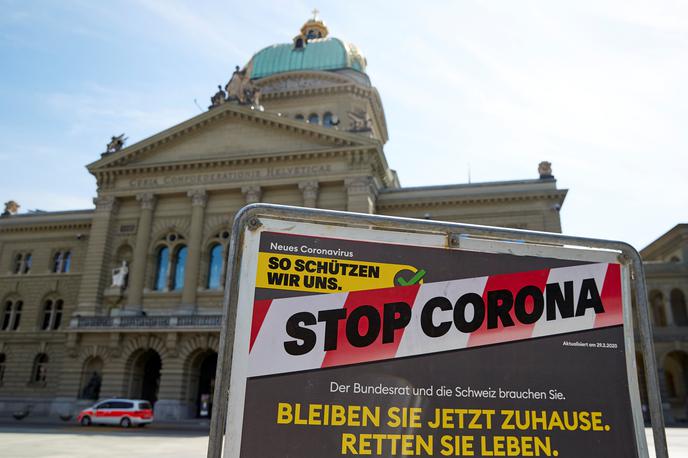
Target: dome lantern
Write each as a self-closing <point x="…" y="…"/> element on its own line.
<point x="314" y="28"/>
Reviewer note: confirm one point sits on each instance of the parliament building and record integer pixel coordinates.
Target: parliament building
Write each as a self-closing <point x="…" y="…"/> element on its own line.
<point x="125" y="300"/>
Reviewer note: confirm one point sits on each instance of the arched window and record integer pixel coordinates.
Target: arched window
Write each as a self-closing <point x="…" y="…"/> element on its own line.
<point x="299" y="43"/>
<point x="2" y="367"/>
<point x="179" y="268"/>
<point x="215" y="267"/>
<point x="40" y="368"/>
<point x="217" y="247"/>
<point x="678" y="307"/>
<point x="328" y="120"/>
<point x="299" y="117"/>
<point x="163" y="266"/>
<point x="313" y="118"/>
<point x="11" y="315"/>
<point x="62" y="261"/>
<point x="170" y="262"/>
<point x="52" y="314"/>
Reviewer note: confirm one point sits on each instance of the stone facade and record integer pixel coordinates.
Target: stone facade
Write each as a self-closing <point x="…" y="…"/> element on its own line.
<point x="71" y="330"/>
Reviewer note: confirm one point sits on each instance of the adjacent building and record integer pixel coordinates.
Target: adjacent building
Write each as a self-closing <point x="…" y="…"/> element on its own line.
<point x="666" y="273"/>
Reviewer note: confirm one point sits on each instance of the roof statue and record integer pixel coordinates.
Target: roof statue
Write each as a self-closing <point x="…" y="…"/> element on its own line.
<point x="116" y="144"/>
<point x="218" y="99"/>
<point x="11" y="208"/>
<point x="241" y="90"/>
<point x="545" y="169"/>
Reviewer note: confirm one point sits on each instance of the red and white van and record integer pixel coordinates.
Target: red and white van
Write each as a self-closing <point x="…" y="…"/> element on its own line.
<point x="123" y="412"/>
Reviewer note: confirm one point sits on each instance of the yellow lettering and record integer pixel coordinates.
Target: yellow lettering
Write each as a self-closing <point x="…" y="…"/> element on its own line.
<point x="506" y="424"/>
<point x="348" y="442"/>
<point x="394" y="420"/>
<point x="284" y="413"/>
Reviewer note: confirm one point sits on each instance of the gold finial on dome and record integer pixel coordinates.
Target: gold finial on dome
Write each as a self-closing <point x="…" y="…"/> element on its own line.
<point x="314" y="27"/>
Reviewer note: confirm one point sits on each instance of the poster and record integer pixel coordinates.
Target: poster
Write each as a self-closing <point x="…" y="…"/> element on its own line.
<point x="366" y="347"/>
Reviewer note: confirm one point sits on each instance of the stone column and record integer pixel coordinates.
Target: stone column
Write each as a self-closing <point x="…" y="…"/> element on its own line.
<point x="66" y="396"/>
<point x="171" y="404"/>
<point x="137" y="275"/>
<point x="310" y="193"/>
<point x="95" y="274"/>
<point x="116" y="376"/>
<point x="252" y="194"/>
<point x="668" y="312"/>
<point x="198" y="201"/>
<point x="360" y="195"/>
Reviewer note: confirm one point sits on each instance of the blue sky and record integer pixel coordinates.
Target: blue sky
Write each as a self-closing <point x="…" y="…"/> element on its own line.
<point x="596" y="87"/>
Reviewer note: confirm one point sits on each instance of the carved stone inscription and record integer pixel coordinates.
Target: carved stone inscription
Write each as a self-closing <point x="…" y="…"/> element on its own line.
<point x="230" y="176"/>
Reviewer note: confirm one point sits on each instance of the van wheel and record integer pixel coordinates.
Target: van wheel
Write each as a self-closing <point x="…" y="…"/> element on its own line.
<point x="125" y="423"/>
<point x="86" y="421"/>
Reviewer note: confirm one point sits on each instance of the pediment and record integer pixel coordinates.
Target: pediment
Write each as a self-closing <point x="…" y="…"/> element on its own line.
<point x="229" y="132"/>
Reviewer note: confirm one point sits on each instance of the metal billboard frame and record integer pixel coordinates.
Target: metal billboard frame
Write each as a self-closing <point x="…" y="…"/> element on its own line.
<point x="456" y="234"/>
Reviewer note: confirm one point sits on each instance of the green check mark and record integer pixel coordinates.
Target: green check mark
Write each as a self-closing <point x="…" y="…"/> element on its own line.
<point x="415" y="279"/>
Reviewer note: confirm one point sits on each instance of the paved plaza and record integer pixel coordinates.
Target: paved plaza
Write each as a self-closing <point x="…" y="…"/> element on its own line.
<point x="677" y="439"/>
<point x="169" y="441"/>
<point x="101" y="442"/>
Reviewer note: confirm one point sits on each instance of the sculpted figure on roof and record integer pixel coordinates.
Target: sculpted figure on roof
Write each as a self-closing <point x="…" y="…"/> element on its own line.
<point x="219" y="98"/>
<point x="116" y="144"/>
<point x="241" y="89"/>
<point x="11" y="208"/>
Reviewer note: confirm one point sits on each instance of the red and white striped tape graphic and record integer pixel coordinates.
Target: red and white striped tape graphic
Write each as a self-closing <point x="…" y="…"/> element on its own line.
<point x="268" y="356"/>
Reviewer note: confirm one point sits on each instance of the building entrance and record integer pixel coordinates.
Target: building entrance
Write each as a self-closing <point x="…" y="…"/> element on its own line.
<point x="206" y="364"/>
<point x="145" y="376"/>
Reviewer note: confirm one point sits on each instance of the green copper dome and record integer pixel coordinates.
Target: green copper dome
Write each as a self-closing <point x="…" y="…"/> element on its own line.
<point x="314" y="54"/>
